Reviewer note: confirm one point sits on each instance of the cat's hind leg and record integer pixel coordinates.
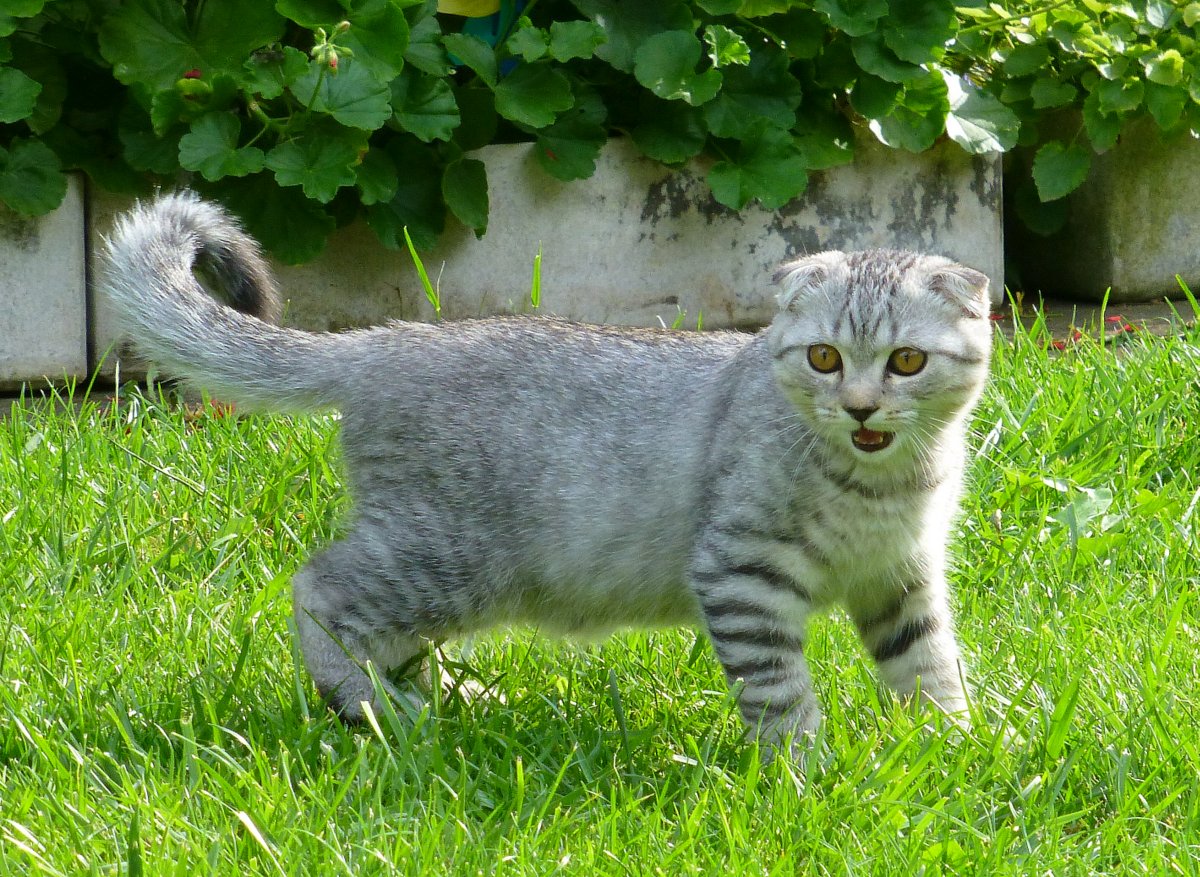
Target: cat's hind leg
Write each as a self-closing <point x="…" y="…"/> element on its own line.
<point x="347" y="621"/>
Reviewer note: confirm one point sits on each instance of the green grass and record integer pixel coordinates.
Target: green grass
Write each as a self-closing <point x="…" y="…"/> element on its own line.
<point x="153" y="719"/>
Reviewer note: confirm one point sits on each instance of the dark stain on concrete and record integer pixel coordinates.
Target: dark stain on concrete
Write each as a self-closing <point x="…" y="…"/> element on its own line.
<point x="19" y="231"/>
<point x="679" y="193"/>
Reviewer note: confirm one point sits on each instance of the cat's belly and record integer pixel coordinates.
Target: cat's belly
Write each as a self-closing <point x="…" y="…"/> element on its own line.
<point x="594" y="607"/>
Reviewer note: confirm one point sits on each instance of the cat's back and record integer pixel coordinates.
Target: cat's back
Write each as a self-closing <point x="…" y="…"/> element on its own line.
<point x="569" y="372"/>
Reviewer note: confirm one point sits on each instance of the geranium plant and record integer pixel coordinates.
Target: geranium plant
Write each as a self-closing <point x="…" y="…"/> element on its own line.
<point x="303" y="114"/>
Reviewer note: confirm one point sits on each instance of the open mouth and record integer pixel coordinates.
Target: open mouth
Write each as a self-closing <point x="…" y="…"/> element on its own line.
<point x="869" y="441"/>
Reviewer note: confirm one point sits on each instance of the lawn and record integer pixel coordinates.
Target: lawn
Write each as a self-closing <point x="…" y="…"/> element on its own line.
<point x="153" y="719"/>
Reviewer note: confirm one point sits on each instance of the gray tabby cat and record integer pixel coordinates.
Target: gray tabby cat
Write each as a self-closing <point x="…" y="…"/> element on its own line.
<point x="584" y="479"/>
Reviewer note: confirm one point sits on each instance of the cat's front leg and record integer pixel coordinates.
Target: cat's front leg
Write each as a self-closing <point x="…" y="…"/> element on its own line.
<point x="760" y="643"/>
<point x="911" y="637"/>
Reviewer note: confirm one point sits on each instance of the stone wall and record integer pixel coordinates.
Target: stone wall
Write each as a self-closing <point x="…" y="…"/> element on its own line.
<point x="636" y="244"/>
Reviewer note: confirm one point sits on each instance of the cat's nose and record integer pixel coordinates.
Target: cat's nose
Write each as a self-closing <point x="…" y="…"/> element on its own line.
<point x="861" y="414"/>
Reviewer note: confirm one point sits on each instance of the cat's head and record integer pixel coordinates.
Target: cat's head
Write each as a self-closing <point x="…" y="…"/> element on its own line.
<point x="881" y="349"/>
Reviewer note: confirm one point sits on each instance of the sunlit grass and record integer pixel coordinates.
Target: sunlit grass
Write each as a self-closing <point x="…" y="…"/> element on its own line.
<point x="153" y="719"/>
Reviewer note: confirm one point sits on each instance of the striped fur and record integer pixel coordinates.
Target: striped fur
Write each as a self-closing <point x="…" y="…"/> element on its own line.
<point x="586" y="478"/>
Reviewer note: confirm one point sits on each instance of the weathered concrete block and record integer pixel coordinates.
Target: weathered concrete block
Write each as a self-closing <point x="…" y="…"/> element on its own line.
<point x="43" y="318"/>
<point x="637" y="243"/>
<point x="1132" y="226"/>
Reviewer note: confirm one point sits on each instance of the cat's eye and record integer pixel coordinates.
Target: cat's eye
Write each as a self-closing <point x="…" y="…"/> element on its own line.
<point x="906" y="361"/>
<point x="824" y="358"/>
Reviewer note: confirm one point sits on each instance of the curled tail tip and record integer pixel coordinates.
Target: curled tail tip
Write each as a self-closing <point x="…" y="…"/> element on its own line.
<point x="181" y="229"/>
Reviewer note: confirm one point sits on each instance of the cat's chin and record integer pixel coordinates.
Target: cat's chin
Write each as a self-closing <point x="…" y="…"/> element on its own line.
<point x="870" y="441"/>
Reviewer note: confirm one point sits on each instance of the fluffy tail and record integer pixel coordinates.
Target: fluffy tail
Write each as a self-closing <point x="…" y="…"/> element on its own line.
<point x="232" y="350"/>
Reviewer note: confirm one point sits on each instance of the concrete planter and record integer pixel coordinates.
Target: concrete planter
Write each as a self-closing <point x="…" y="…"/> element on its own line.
<point x="1133" y="225"/>
<point x="637" y="244"/>
<point x="43" y="295"/>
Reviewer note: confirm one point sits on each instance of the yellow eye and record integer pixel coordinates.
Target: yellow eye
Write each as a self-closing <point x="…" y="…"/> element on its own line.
<point x="906" y="361"/>
<point x="824" y="358"/>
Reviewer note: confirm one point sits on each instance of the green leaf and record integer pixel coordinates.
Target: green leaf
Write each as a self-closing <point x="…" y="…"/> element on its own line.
<point x="425" y="106"/>
<point x="168" y="109"/>
<point x="352" y="95"/>
<point x="465" y="190"/>
<point x="725" y="46"/>
<point x="1165" y="68"/>
<point x="918" y="30"/>
<point x="292" y="227"/>
<point x="765" y="90"/>
<point x="425" y="50"/>
<point x="908" y="130"/>
<point x="320" y="160"/>
<point x="855" y="18"/>
<point x="312" y="14"/>
<point x="719" y="7"/>
<point x="477" y="105"/>
<point x="759" y="8"/>
<point x="568" y="149"/>
<point x="529" y="43"/>
<point x="1166" y="104"/>
<point x="533" y="95"/>
<point x="627" y="24"/>
<point x="1103" y="128"/>
<point x="378" y="37"/>
<point x="825" y="137"/>
<point x="23" y="8"/>
<point x="801" y="30"/>
<point x="666" y="64"/>
<point x="770" y="168"/>
<point x="31" y="180"/>
<point x="18" y="95"/>
<point x="930" y="93"/>
<point x="836" y="69"/>
<point x="1048" y="92"/>
<point x="1156" y="13"/>
<point x="575" y="39"/>
<point x="143" y="149"/>
<point x="1120" y="95"/>
<point x="978" y="121"/>
<point x="920" y="117"/>
<point x="153" y="43"/>
<point x="268" y="73"/>
<point x="377" y="178"/>
<point x="876" y="58"/>
<point x="1024" y="60"/>
<point x="44" y="65"/>
<point x="873" y="97"/>
<point x="417" y="204"/>
<point x="1059" y="170"/>
<point x="474" y="53"/>
<point x="1041" y="217"/>
<point x="670" y="131"/>
<point x="210" y="147"/>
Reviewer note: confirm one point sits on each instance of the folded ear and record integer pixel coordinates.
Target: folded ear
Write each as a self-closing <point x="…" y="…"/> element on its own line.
<point x="964" y="287"/>
<point x="803" y="277"/>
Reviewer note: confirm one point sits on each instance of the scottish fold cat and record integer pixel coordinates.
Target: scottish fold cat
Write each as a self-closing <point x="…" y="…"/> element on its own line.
<point x="583" y="479"/>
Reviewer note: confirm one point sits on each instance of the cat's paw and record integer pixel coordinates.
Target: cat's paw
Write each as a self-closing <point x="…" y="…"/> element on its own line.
<point x="794" y="734"/>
